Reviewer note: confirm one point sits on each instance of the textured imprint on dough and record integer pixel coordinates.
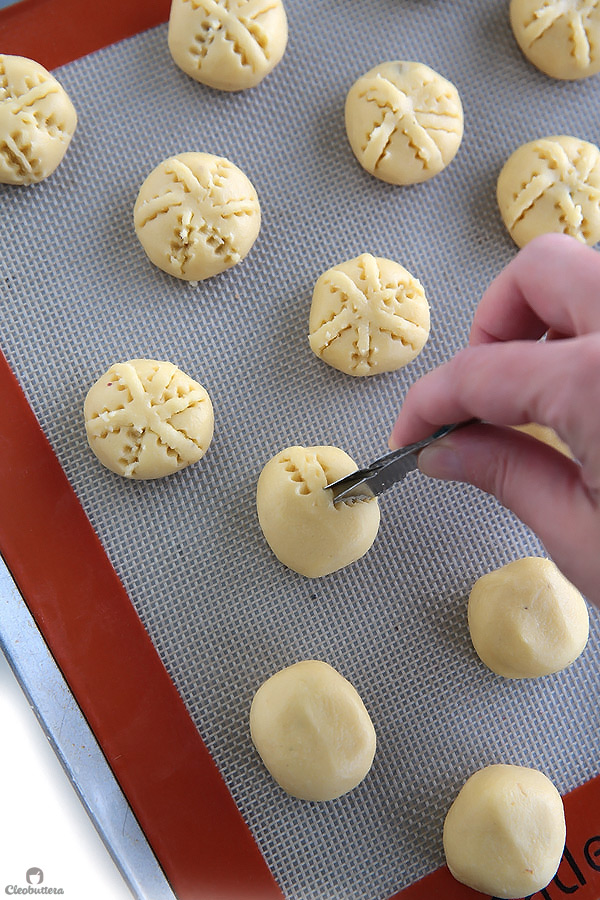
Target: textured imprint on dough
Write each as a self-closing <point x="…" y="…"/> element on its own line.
<point x="565" y="179"/>
<point x="395" y="112"/>
<point x="305" y="468"/>
<point x="238" y="21"/>
<point x="163" y="393"/>
<point x="28" y="112"/>
<point x="200" y="211"/>
<point x="370" y="307"/>
<point x="576" y="14"/>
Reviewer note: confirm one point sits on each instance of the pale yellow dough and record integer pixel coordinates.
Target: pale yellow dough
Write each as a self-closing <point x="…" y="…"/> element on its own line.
<point x="560" y="37"/>
<point x="546" y="435"/>
<point x="196" y="215"/>
<point x="312" y="731"/>
<point x="505" y="833"/>
<point x="526" y="619"/>
<point x="368" y="315"/>
<point x="147" y="419"/>
<point x="404" y="122"/>
<point x="37" y="121"/>
<point x="227" y="44"/>
<point x="305" y="530"/>
<point x="551" y="185"/>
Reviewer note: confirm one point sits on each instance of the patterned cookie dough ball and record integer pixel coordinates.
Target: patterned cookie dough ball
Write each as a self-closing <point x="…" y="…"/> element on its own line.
<point x="37" y="121"/>
<point x="560" y="38"/>
<point x="404" y="122"/>
<point x="368" y="315"/>
<point x="148" y="419"/>
<point x="306" y="531"/>
<point x="196" y="215"/>
<point x="551" y="185"/>
<point x="227" y="44"/>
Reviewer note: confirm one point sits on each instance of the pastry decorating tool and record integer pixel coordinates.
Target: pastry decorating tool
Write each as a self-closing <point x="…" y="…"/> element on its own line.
<point x="383" y="473"/>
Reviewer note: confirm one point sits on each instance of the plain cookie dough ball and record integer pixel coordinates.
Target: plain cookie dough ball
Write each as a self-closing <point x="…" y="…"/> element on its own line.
<point x="196" y="215"/>
<point x="562" y="39"/>
<point x="306" y="531"/>
<point x="230" y="46"/>
<point x="148" y="419"/>
<point x="527" y="620"/>
<point x="312" y="731"/>
<point x="404" y="122"/>
<point x="505" y="833"/>
<point x="551" y="185"/>
<point x="546" y="435"/>
<point x="368" y="315"/>
<point x="37" y="121"/>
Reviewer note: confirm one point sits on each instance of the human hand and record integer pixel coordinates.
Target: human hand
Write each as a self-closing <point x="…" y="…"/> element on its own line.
<point x="506" y="377"/>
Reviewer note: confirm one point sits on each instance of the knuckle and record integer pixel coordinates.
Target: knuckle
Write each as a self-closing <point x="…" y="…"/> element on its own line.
<point x="574" y="391"/>
<point x="464" y="368"/>
<point x="583" y="379"/>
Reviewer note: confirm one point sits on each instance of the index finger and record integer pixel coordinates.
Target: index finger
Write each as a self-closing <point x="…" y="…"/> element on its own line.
<point x="552" y="283"/>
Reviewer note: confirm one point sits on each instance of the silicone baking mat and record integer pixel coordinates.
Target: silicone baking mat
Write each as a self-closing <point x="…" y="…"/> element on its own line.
<point x="221" y="613"/>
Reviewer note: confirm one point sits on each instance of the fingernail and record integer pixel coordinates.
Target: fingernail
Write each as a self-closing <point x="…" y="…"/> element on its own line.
<point x="440" y="460"/>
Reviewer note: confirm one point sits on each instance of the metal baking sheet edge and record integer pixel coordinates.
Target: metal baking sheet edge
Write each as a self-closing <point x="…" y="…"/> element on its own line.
<point x="75" y="746"/>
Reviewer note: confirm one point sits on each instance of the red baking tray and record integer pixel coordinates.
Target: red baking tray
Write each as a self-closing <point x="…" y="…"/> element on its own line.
<point x="81" y="608"/>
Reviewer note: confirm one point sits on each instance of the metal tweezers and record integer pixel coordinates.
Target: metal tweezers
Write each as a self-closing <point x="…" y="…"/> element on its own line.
<point x="385" y="471"/>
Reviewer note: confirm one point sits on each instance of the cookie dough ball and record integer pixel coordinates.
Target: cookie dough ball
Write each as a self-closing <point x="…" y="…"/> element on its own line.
<point x="306" y="531"/>
<point x="505" y="833"/>
<point x="562" y="39"/>
<point x="229" y="46"/>
<point x="312" y="731"/>
<point x="527" y="620"/>
<point x="551" y="185"/>
<point x="546" y="435"/>
<point x="147" y="419"/>
<point x="404" y="122"/>
<point x="196" y="215"/>
<point x="368" y="315"/>
<point x="37" y="121"/>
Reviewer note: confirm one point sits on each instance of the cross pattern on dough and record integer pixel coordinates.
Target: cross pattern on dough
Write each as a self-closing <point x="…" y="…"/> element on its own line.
<point x="161" y="395"/>
<point x="370" y="307"/>
<point x="306" y="469"/>
<point x="203" y="211"/>
<point x="17" y="150"/>
<point x="397" y="113"/>
<point x="295" y="475"/>
<point x="27" y="111"/>
<point x="576" y="15"/>
<point x="566" y="178"/>
<point x="237" y="21"/>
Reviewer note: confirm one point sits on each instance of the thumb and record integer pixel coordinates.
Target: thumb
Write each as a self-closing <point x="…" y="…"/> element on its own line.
<point x="540" y="485"/>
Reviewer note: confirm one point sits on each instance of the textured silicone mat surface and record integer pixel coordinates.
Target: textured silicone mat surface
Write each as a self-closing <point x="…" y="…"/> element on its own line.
<point x="79" y="294"/>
